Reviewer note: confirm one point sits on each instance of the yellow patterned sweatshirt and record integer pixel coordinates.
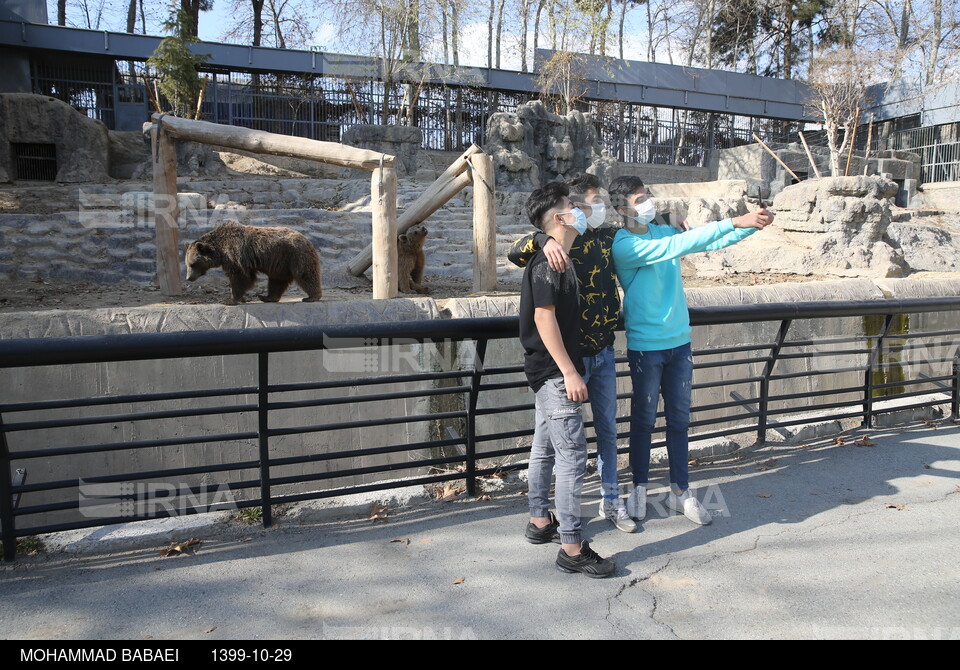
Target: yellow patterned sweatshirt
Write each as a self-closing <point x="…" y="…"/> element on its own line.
<point x="591" y="254"/>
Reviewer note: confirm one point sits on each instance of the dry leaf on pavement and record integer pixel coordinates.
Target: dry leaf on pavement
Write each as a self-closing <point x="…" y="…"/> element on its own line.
<point x="459" y="580"/>
<point x="378" y="512"/>
<point x="177" y="548"/>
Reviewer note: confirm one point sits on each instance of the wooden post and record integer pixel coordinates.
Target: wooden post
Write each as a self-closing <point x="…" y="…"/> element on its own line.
<point x="866" y="155"/>
<point x="383" y="198"/>
<point x="447" y="185"/>
<point x="166" y="211"/>
<point x="810" y="155"/>
<point x="853" y="140"/>
<point x="484" y="223"/>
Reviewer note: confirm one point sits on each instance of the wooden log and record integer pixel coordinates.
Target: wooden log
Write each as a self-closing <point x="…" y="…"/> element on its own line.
<point x="383" y="198"/>
<point x="853" y="141"/>
<point x="166" y="212"/>
<point x="866" y="156"/>
<point x="260" y="142"/>
<point x="484" y="223"/>
<point x="810" y="155"/>
<point x="776" y="157"/>
<point x="447" y="185"/>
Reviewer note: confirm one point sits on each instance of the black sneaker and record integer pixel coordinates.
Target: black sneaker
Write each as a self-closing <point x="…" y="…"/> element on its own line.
<point x="549" y="533"/>
<point x="588" y="562"/>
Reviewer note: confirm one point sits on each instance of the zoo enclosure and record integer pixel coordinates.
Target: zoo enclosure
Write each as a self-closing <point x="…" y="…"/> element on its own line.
<point x="874" y="357"/>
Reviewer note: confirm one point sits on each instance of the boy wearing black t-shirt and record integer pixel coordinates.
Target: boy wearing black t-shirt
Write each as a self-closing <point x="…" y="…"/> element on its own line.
<point x="549" y="333"/>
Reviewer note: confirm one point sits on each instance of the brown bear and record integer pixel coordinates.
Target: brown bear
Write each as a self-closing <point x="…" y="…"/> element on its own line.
<point x="411" y="260"/>
<point x="284" y="255"/>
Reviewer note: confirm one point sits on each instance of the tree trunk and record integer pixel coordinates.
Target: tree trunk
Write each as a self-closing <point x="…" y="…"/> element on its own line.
<point x="455" y="31"/>
<point x="281" y="41"/>
<point x="490" y="34"/>
<point x="524" y="12"/>
<point x="935" y="38"/>
<point x="623" y="17"/>
<point x="499" y="30"/>
<point x="536" y="30"/>
<point x="61" y="12"/>
<point x="257" y="22"/>
<point x="132" y="16"/>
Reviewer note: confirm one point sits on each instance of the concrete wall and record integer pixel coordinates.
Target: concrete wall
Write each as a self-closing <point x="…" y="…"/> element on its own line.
<point x="98" y="380"/>
<point x="945" y="196"/>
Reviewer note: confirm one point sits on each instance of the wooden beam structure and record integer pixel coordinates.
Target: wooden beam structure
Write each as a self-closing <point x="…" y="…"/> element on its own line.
<point x="447" y="185"/>
<point x="484" y="223"/>
<point x="166" y="212"/>
<point x="383" y="199"/>
<point x="260" y="142"/>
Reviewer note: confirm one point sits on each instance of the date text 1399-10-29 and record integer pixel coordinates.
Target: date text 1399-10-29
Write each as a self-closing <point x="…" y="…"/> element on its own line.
<point x="254" y="655"/>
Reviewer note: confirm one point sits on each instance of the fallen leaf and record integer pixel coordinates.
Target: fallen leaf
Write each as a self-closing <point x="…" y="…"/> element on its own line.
<point x="486" y="496"/>
<point x="459" y="580"/>
<point x="760" y="468"/>
<point x="425" y="541"/>
<point x="450" y="492"/>
<point x="895" y="506"/>
<point x="180" y="547"/>
<point x="247" y="539"/>
<point x="378" y="512"/>
<point x="764" y="495"/>
<point x="930" y="424"/>
<point x="770" y="462"/>
<point x="210" y="630"/>
<point x="926" y="467"/>
<point x="838" y="441"/>
<point x="865" y="441"/>
<point x="405" y="541"/>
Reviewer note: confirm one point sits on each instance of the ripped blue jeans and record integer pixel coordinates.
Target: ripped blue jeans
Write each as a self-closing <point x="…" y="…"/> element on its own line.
<point x="668" y="372"/>
<point x="560" y="445"/>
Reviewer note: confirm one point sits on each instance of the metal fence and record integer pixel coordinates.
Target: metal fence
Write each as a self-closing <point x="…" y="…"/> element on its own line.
<point x="451" y="118"/>
<point x="875" y="357"/>
<point x="937" y="146"/>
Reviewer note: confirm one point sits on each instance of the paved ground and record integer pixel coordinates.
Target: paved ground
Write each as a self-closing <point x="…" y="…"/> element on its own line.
<point x="818" y="541"/>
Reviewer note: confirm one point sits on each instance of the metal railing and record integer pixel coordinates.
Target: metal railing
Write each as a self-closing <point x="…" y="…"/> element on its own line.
<point x="881" y="355"/>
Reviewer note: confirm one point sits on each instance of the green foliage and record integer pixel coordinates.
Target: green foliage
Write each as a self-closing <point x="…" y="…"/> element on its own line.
<point x="177" y="65"/>
<point x="27" y="546"/>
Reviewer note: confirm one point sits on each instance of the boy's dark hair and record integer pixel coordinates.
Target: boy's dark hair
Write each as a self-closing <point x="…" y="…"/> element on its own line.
<point x="623" y="187"/>
<point x="544" y="199"/>
<point x="582" y="182"/>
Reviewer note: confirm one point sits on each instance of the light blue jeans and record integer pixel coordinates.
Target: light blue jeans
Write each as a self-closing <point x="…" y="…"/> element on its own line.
<point x="601" y="381"/>
<point x="558" y="443"/>
<point x="668" y="372"/>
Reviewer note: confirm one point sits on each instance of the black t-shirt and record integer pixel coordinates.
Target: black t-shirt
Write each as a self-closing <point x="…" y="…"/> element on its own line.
<point x="542" y="287"/>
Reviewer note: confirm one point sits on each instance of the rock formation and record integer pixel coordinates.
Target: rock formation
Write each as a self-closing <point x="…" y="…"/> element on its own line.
<point x="534" y="146"/>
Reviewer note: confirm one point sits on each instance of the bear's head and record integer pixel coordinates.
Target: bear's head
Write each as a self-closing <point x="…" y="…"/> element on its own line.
<point x="414" y="237"/>
<point x="200" y="258"/>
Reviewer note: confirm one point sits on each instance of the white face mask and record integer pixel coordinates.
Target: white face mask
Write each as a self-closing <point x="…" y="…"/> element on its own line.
<point x="645" y="212"/>
<point x="598" y="215"/>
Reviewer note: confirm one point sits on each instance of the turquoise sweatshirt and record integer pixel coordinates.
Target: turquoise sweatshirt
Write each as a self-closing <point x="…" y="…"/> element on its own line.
<point x="648" y="267"/>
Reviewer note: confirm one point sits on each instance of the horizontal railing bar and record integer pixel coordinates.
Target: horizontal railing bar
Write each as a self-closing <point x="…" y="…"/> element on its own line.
<point x="343" y="400"/>
<point x="356" y="453"/>
<point x="728" y="363"/>
<point x="347" y="425"/>
<point x="124" y="418"/>
<point x="119" y="446"/>
<point x="366" y="381"/>
<point x="368" y="470"/>
<point x="124" y="399"/>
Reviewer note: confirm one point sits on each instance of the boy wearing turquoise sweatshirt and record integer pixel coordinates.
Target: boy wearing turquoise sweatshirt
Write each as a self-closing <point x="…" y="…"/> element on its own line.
<point x="646" y="257"/>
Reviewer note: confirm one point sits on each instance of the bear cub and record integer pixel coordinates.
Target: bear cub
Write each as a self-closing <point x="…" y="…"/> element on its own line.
<point x="283" y="254"/>
<point x="411" y="260"/>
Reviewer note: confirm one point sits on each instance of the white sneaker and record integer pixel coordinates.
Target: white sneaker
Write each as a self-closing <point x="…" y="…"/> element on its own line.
<point x="637" y="503"/>
<point x="689" y="506"/>
<point x="617" y="515"/>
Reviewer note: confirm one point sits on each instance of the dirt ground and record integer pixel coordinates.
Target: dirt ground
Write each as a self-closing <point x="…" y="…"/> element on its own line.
<point x="23" y="295"/>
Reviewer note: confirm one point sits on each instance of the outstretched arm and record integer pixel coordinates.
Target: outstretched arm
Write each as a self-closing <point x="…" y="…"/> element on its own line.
<point x="526" y="247"/>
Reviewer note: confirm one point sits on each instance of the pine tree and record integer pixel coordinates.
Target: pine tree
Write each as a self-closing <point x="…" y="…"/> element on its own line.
<point x="177" y="65"/>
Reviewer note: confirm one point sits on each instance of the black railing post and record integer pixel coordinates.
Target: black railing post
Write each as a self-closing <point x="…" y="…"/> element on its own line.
<point x="472" y="417"/>
<point x="764" y="400"/>
<point x="6" y="500"/>
<point x="868" y="385"/>
<point x="263" y="399"/>
<point x="955" y="395"/>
